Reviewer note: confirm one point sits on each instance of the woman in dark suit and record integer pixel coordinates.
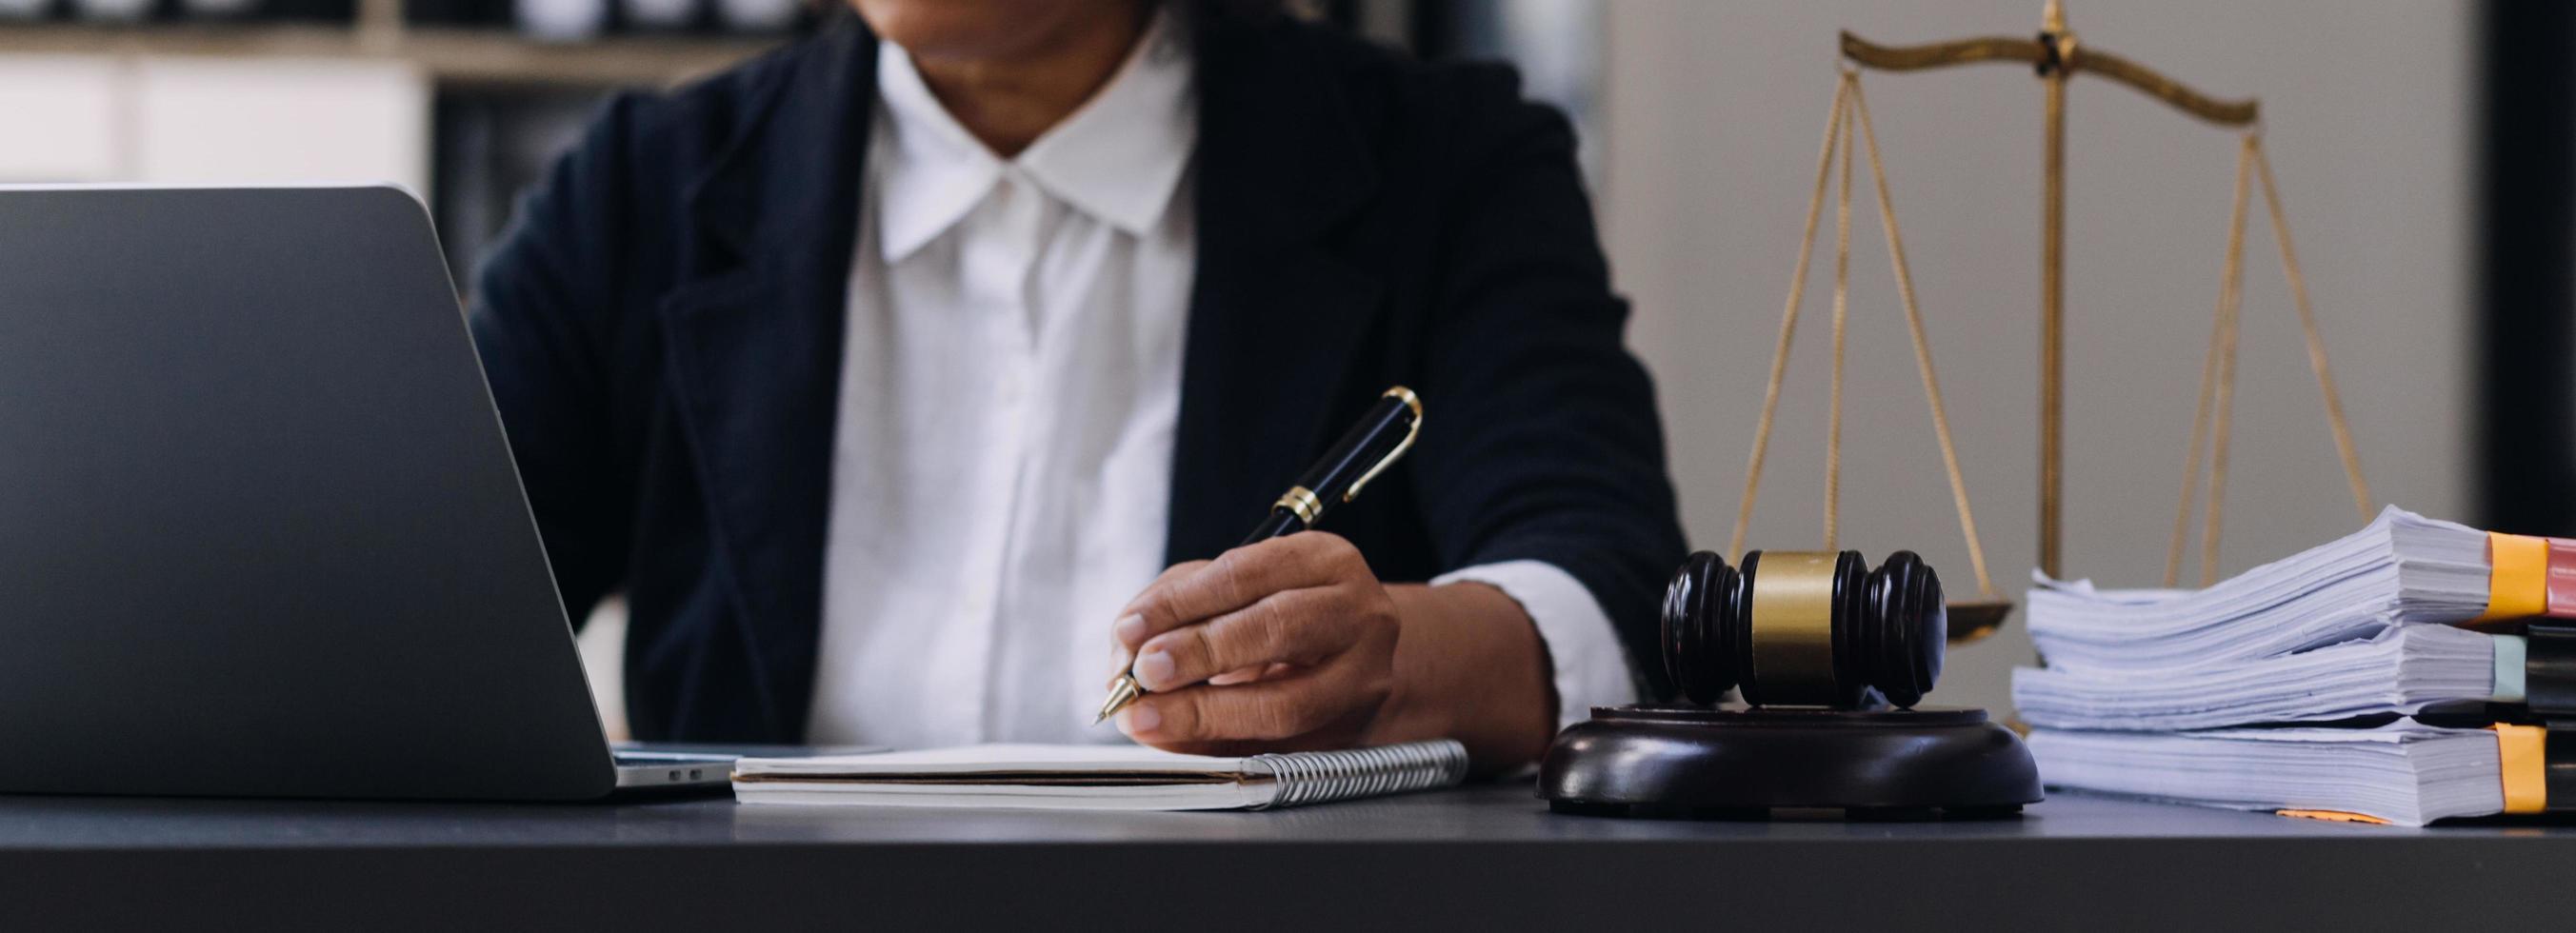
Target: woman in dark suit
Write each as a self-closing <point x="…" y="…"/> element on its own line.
<point x="884" y="374"/>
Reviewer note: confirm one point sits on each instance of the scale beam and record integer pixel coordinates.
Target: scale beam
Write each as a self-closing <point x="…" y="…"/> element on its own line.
<point x="2036" y="53"/>
<point x="2055" y="55"/>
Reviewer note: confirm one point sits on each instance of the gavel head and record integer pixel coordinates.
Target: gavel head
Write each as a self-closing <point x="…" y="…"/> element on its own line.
<point x="1805" y="628"/>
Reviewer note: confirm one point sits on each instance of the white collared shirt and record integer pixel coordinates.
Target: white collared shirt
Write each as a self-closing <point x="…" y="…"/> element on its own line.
<point x="1010" y="386"/>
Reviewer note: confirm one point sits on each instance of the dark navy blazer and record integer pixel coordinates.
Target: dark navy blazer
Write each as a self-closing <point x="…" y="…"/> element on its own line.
<point x="662" y="330"/>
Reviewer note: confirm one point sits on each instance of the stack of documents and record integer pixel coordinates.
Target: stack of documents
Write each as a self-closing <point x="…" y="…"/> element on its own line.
<point x="2403" y="773"/>
<point x="2402" y="569"/>
<point x="2398" y="671"/>
<point x="2195" y="695"/>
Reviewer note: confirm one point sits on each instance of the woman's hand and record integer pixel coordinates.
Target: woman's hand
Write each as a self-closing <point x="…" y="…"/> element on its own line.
<point x="1292" y="643"/>
<point x="1283" y="644"/>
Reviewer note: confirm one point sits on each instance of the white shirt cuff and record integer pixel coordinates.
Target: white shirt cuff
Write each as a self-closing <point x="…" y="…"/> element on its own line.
<point x="1590" y="669"/>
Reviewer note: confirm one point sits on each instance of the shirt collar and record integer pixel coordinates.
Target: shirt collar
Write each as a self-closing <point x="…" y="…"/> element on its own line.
<point x="1117" y="158"/>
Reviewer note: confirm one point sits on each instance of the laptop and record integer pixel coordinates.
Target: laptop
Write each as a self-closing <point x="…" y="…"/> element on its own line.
<point x="260" y="532"/>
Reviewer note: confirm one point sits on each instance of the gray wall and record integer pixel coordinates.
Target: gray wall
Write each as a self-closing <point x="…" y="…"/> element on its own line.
<point x="1713" y="113"/>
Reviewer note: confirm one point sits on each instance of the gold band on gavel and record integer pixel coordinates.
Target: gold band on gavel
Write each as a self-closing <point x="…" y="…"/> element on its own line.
<point x="1793" y="626"/>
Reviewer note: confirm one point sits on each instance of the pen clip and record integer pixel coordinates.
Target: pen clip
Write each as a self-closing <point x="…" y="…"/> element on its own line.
<point x="1411" y="431"/>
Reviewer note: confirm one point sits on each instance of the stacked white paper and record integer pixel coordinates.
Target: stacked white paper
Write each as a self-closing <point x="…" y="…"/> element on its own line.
<point x="2148" y="691"/>
<point x="2399" y="671"/>
<point x="2402" y="569"/>
<point x="2403" y="773"/>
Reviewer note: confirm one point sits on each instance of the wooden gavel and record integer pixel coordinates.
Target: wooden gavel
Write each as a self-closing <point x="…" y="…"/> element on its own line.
<point x="1805" y="628"/>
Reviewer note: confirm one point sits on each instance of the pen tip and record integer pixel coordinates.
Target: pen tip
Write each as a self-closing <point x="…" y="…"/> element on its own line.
<point x="1121" y="693"/>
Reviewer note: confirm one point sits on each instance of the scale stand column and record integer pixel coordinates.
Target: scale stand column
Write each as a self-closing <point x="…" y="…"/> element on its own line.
<point x="2059" y="46"/>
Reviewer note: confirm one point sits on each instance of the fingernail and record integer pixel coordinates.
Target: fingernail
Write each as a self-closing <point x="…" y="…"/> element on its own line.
<point x="1139" y="718"/>
<point x="1155" y="669"/>
<point x="1130" y="627"/>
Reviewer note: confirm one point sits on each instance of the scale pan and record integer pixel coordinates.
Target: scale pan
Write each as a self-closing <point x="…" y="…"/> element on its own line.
<point x="1973" y="619"/>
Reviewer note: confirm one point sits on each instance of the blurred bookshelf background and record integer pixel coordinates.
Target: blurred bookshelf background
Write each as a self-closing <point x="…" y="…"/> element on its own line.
<point x="461" y="101"/>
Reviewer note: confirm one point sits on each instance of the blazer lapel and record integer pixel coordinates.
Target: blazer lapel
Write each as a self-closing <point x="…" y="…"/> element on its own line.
<point x="754" y="345"/>
<point x="1277" y="311"/>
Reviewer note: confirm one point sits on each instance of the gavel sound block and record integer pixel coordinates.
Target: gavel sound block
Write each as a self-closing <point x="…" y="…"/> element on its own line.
<point x="1830" y="657"/>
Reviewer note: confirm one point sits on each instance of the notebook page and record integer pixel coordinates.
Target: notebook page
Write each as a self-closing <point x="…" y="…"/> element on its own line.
<point x="987" y="759"/>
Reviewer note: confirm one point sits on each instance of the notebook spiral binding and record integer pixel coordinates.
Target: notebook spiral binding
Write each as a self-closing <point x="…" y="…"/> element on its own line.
<point x="1323" y="777"/>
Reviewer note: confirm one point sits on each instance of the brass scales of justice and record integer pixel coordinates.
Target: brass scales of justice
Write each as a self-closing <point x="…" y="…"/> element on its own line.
<point x="2055" y="56"/>
<point x="1830" y="656"/>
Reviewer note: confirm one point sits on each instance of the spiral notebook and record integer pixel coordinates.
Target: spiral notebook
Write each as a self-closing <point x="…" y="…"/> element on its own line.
<point x="1097" y="777"/>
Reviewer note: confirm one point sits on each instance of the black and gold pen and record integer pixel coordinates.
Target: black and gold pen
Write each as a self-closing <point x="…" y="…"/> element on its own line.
<point x="1372" y="445"/>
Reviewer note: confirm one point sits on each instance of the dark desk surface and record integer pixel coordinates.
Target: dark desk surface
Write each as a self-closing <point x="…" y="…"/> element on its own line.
<point x="1485" y="856"/>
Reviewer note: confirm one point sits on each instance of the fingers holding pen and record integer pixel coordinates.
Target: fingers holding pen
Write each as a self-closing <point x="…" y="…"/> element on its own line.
<point x="1325" y="706"/>
<point x="1269" y="621"/>
<point x="1193" y="592"/>
<point x="1296" y="627"/>
<point x="1131" y="629"/>
<point x="1285" y="642"/>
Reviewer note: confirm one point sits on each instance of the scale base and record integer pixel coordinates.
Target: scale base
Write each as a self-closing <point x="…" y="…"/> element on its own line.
<point x="1683" y="762"/>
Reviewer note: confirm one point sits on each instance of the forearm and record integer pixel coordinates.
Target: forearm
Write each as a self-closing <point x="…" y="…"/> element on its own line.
<point x="1470" y="666"/>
